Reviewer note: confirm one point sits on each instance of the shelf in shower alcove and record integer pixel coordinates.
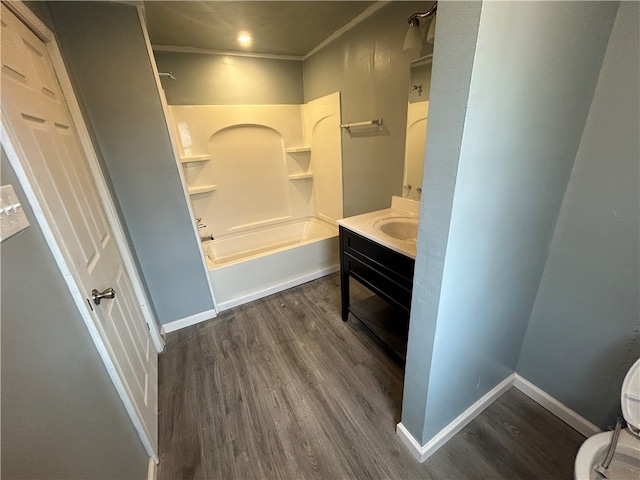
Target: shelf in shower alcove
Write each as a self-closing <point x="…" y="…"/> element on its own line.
<point x="203" y="189"/>
<point x="298" y="150"/>
<point x="195" y="159"/>
<point x="300" y="176"/>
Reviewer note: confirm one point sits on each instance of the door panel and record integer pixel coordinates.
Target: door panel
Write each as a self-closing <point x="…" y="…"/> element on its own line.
<point x="36" y="114"/>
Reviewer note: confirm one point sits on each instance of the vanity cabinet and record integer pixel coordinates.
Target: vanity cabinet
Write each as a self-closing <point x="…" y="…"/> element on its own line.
<point x="386" y="273"/>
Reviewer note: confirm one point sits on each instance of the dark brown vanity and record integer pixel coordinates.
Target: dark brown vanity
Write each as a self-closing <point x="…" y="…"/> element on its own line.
<point x="388" y="274"/>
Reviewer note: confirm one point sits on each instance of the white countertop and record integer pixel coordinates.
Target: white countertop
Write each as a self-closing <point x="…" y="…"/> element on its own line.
<point x="363" y="225"/>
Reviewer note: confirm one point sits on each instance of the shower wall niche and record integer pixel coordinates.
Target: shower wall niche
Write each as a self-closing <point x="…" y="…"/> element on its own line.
<point x="251" y="166"/>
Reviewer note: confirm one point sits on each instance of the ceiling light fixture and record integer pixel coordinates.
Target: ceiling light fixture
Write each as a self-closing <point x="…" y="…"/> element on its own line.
<point x="244" y="39"/>
<point x="413" y="39"/>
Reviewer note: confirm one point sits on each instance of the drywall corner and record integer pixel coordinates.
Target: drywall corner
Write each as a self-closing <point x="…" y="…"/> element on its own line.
<point x="454" y="52"/>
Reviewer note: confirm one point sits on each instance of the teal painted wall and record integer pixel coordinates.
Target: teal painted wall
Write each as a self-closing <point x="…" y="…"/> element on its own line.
<point x="61" y="415"/>
<point x="533" y="75"/>
<point x="203" y="79"/>
<point x="584" y="331"/>
<point x="371" y="71"/>
<point x="454" y="51"/>
<point x="104" y="51"/>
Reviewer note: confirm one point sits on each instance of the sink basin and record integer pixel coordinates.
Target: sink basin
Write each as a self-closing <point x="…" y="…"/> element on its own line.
<point x="400" y="228"/>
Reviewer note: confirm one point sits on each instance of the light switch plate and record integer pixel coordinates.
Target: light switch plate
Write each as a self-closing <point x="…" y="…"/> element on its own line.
<point x="12" y="217"/>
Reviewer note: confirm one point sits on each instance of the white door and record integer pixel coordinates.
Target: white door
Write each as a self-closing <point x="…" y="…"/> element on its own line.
<point x="36" y="116"/>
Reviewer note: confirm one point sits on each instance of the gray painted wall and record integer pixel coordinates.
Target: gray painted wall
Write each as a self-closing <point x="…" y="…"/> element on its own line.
<point x="451" y="76"/>
<point x="369" y="68"/>
<point x="228" y="80"/>
<point x="584" y="331"/>
<point x="106" y="57"/>
<point x="40" y="8"/>
<point x="532" y="80"/>
<point x="61" y="415"/>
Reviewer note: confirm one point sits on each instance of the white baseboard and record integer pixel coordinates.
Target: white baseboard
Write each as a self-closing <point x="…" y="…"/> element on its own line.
<point x="421" y="453"/>
<point x="410" y="442"/>
<point x="188" y="321"/>
<point x="209" y="314"/>
<point x="564" y="413"/>
<point x="276" y="288"/>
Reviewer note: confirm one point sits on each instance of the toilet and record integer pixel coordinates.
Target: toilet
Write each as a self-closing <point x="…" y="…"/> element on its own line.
<point x="626" y="460"/>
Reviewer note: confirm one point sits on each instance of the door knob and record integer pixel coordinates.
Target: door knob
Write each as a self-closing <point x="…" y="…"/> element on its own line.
<point x="97" y="296"/>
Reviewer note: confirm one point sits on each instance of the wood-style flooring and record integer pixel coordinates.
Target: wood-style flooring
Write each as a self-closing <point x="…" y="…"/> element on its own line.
<point x="282" y="388"/>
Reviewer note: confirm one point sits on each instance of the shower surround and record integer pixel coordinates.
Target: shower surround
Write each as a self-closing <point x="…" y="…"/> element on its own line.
<point x="266" y="180"/>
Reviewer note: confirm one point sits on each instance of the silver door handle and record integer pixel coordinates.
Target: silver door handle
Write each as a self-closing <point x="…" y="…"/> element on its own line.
<point x="97" y="296"/>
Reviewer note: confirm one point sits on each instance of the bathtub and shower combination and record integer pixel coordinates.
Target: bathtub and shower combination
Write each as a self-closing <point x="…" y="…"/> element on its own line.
<point x="257" y="263"/>
<point x="267" y="182"/>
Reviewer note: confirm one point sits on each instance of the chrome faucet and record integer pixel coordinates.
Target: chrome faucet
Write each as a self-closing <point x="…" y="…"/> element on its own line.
<point x="202" y="225"/>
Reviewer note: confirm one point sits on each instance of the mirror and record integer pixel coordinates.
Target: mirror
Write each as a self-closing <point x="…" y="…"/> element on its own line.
<point x="417" y="119"/>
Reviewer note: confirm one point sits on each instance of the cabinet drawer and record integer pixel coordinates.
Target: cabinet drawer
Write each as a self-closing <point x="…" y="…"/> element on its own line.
<point x="393" y="265"/>
<point x="372" y="277"/>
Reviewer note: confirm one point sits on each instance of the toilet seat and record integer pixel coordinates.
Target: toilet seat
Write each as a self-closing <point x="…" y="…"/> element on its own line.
<point x="630" y="398"/>
<point x="594" y="449"/>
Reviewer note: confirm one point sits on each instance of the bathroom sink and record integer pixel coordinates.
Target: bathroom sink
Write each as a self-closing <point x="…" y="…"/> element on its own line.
<point x="400" y="228"/>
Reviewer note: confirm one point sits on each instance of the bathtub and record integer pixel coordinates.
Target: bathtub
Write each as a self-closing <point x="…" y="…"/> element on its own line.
<point x="253" y="264"/>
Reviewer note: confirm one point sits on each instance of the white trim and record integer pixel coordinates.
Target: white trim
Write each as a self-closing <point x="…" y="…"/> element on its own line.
<point x="341" y="31"/>
<point x="176" y="155"/>
<point x="152" y="470"/>
<point x="188" y="321"/>
<point x="210" y="314"/>
<point x="133" y="3"/>
<point x="30" y="19"/>
<point x="28" y="186"/>
<point x="41" y="30"/>
<point x="229" y="53"/>
<point x="277" y="288"/>
<point x="542" y="398"/>
<point x="32" y="192"/>
<point x="105" y="196"/>
<point x="564" y="413"/>
<point x="410" y="442"/>
<point x="421" y="453"/>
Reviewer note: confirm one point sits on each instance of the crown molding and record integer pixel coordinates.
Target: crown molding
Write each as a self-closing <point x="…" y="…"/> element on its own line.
<point x="341" y="31"/>
<point x="297" y="58"/>
<point x="211" y="51"/>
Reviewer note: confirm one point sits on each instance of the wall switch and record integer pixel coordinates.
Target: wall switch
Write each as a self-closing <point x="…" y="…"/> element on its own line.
<point x="12" y="217"/>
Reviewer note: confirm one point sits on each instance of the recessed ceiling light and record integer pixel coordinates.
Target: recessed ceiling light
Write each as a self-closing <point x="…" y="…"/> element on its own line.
<point x="244" y="39"/>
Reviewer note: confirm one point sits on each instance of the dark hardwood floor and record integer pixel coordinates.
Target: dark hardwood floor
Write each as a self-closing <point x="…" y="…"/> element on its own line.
<point x="282" y="388"/>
